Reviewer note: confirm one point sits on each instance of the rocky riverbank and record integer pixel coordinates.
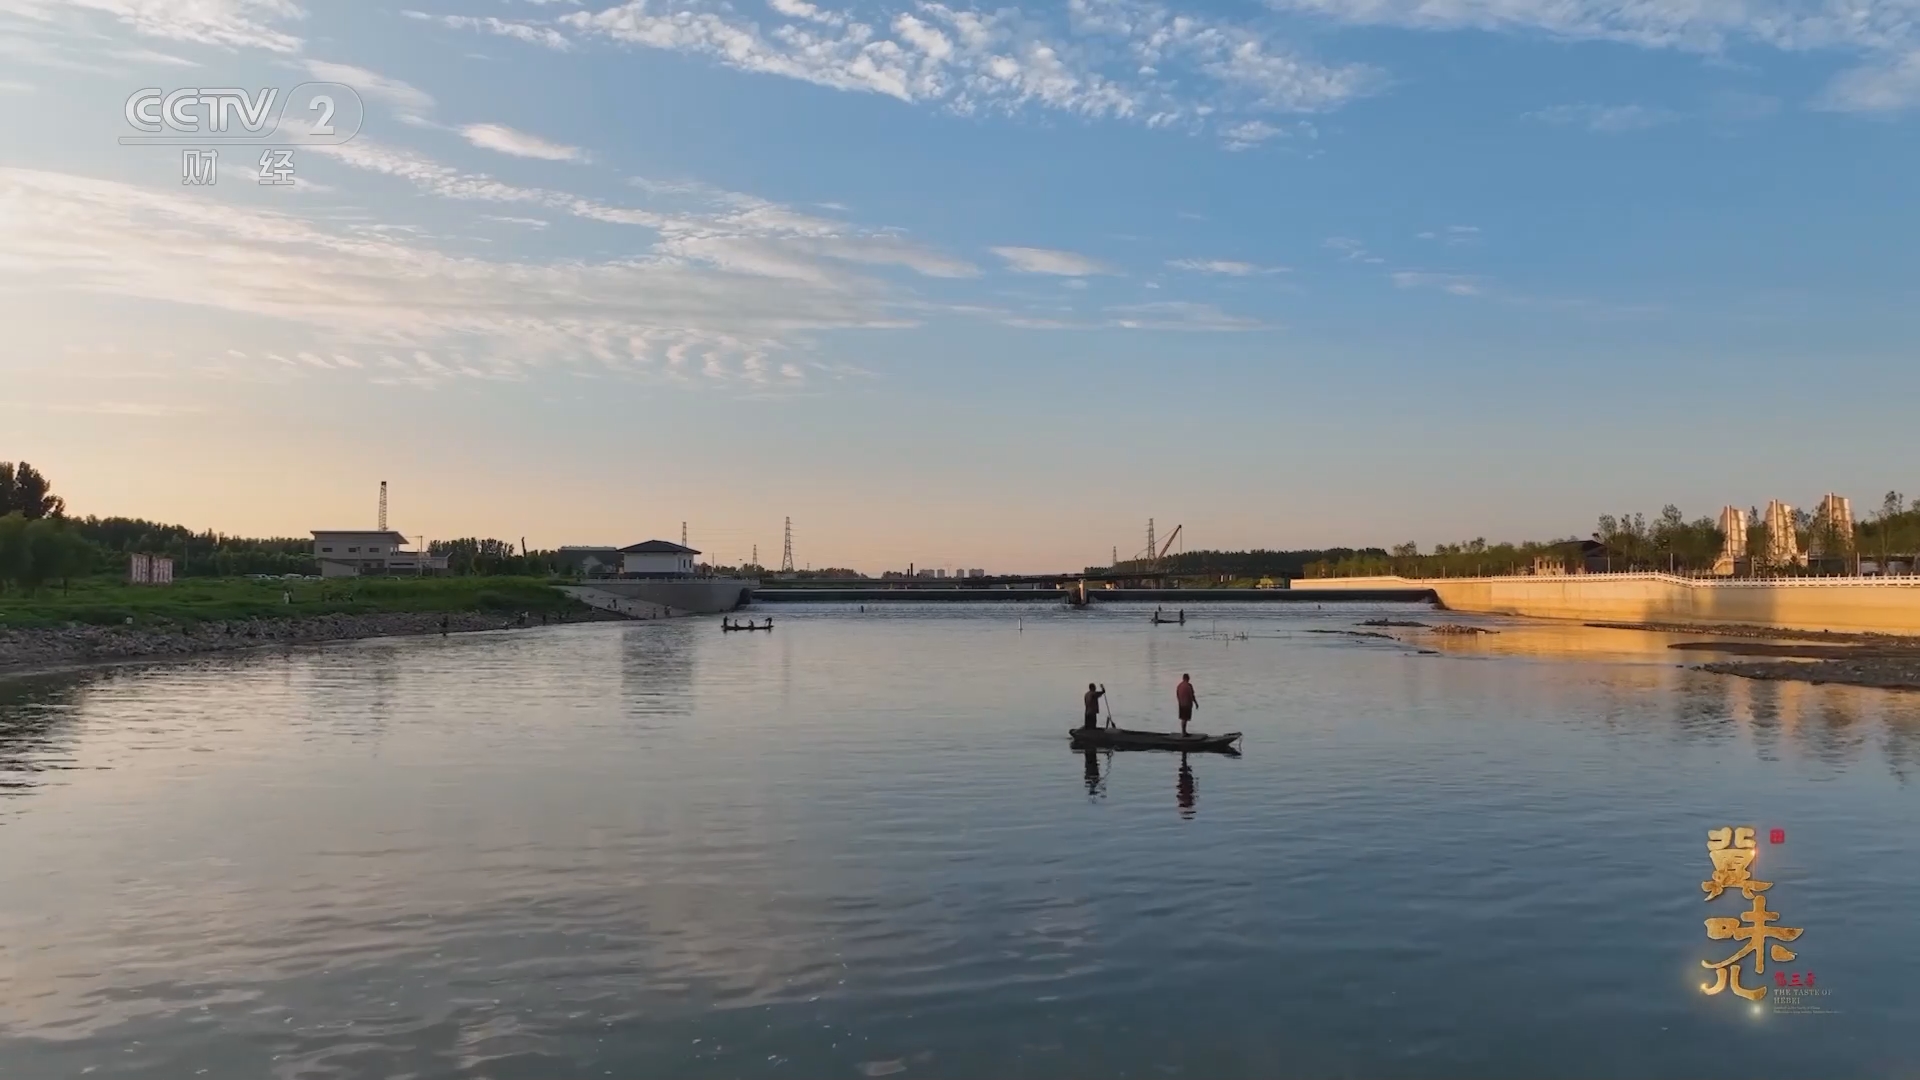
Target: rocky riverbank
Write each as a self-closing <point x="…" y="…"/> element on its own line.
<point x="1879" y="672"/>
<point x="43" y="648"/>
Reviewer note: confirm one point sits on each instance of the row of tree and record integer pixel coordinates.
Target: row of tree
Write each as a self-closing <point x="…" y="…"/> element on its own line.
<point x="1670" y="541"/>
<point x="25" y="492"/>
<point x="35" y="551"/>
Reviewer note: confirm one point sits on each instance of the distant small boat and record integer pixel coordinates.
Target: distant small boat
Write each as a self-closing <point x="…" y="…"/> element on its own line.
<point x="1126" y="739"/>
<point x="746" y="626"/>
<point x="1163" y="620"/>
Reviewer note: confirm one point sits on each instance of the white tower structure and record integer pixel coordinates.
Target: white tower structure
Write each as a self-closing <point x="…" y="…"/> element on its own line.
<point x="1832" y="533"/>
<point x="1733" y="551"/>
<point x="1783" y="540"/>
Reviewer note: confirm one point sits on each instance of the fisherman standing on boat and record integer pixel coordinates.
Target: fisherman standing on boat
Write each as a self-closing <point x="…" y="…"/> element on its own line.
<point x="1092" y="699"/>
<point x="1186" y="698"/>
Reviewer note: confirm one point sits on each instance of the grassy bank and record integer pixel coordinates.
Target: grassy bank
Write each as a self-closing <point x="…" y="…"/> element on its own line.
<point x="189" y="601"/>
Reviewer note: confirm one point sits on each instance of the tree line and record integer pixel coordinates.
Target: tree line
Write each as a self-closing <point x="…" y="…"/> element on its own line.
<point x="1669" y="541"/>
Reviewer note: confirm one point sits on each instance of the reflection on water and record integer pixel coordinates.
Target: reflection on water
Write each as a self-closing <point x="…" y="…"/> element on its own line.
<point x="848" y="848"/>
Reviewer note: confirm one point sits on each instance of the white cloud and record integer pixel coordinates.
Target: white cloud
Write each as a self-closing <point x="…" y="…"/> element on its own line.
<point x="1029" y="260"/>
<point x="407" y="99"/>
<point x="223" y="23"/>
<point x="1248" y="134"/>
<point x="518" y="143"/>
<point x="345" y="298"/>
<point x="1180" y="315"/>
<point x="1452" y="235"/>
<point x="1122" y="59"/>
<point x="1350" y="250"/>
<point x="1228" y="267"/>
<point x="1890" y="85"/>
<point x="730" y="230"/>
<point x="9" y="86"/>
<point x="1611" y="119"/>
<point x="529" y="222"/>
<point x="1696" y="26"/>
<point x="1453" y="284"/>
<point x="488" y="24"/>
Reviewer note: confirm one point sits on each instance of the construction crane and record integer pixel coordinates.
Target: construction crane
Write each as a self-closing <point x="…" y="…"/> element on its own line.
<point x="1164" y="548"/>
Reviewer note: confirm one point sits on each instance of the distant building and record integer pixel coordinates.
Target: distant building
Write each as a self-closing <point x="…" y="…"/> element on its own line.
<point x="149" y="569"/>
<point x="351" y="552"/>
<point x="590" y="561"/>
<point x="1783" y="536"/>
<point x="1733" y="558"/>
<point x="1573" y="557"/>
<point x="976" y="573"/>
<point x="939" y="573"/>
<point x="657" y="558"/>
<point x="1831" y="537"/>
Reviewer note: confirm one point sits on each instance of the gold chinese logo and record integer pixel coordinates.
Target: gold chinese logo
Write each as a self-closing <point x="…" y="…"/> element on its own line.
<point x="1732" y="851"/>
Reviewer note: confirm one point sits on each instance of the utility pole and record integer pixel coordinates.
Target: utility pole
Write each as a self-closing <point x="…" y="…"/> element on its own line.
<point x="786" y="553"/>
<point x="683" y="534"/>
<point x="383" y="506"/>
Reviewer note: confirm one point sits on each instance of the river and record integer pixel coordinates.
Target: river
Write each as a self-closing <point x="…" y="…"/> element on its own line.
<point x="860" y="846"/>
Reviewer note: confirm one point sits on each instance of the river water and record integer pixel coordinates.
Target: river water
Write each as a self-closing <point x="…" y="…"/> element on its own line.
<point x="860" y="846"/>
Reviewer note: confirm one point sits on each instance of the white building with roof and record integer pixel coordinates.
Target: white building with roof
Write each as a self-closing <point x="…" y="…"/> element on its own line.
<point x="352" y="552"/>
<point x="657" y="558"/>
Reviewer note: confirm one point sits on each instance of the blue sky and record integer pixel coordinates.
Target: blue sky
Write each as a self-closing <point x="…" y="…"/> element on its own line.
<point x="970" y="286"/>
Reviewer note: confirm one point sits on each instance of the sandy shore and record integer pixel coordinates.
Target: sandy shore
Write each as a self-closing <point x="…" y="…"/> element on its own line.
<point x="38" y="650"/>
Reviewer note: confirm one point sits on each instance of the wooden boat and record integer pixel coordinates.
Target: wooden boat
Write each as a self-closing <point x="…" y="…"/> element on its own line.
<point x="1162" y="620"/>
<point x="1110" y="738"/>
<point x="748" y="626"/>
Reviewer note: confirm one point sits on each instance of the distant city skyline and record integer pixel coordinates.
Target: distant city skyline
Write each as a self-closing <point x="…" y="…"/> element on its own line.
<point x="953" y="286"/>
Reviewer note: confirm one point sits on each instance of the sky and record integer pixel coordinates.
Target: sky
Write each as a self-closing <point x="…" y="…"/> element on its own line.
<point x="968" y="286"/>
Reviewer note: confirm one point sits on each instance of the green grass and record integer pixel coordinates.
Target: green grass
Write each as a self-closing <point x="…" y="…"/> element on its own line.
<point x="106" y="601"/>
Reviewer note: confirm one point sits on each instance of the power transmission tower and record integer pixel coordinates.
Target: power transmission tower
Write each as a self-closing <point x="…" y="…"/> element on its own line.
<point x="383" y="506"/>
<point x="786" y="554"/>
<point x="1116" y="556"/>
<point x="1151" y="548"/>
<point x="683" y="534"/>
<point x="756" y="554"/>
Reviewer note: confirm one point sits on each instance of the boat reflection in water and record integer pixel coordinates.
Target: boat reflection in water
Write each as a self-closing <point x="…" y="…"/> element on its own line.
<point x="1186" y="789"/>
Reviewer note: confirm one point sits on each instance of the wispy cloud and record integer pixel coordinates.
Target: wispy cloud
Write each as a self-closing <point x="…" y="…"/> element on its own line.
<point x="1452" y="235"/>
<point x="401" y="310"/>
<point x="1889" y="85"/>
<point x="731" y="231"/>
<point x="10" y="86"/>
<point x="229" y="24"/>
<point x="1134" y="60"/>
<point x="530" y="33"/>
<point x="1030" y="260"/>
<point x="518" y="143"/>
<point x="407" y="99"/>
<point x="1453" y="284"/>
<point x="1228" y="267"/>
<point x="1611" y="119"/>
<point x="1350" y="250"/>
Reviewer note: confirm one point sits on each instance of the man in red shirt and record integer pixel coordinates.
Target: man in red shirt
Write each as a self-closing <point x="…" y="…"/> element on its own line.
<point x="1184" y="695"/>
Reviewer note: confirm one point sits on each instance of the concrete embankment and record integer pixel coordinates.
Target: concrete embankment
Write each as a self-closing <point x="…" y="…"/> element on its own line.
<point x="28" y="650"/>
<point x="1850" y="605"/>
<point x="1413" y="594"/>
<point x="696" y="596"/>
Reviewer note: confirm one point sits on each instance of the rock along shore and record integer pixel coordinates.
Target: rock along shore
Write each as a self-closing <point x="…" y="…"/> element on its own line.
<point x="30" y="649"/>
